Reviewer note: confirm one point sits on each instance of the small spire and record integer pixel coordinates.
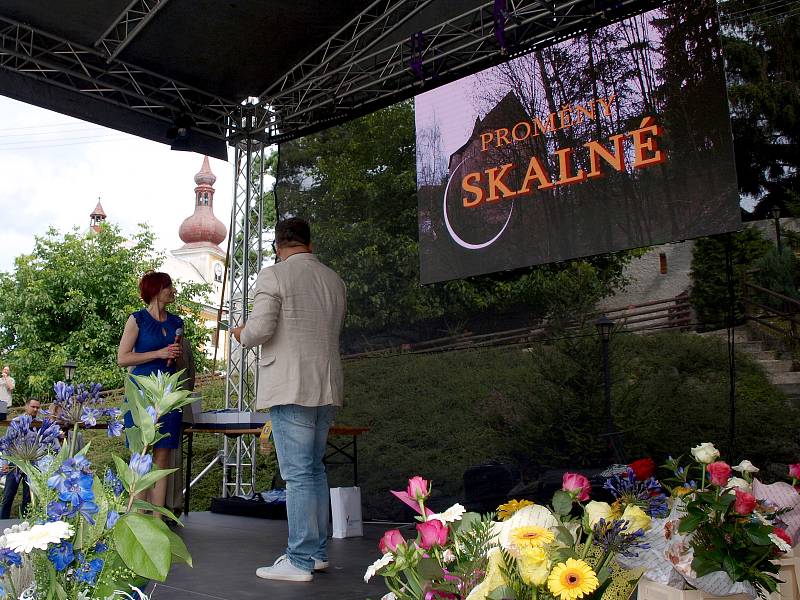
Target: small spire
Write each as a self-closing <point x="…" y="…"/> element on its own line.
<point x="97" y="216"/>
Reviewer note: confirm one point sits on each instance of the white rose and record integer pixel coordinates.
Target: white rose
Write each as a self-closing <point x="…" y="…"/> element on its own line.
<point x="738" y="482"/>
<point x="746" y="467"/>
<point x="705" y="453"/>
<point x="595" y="511"/>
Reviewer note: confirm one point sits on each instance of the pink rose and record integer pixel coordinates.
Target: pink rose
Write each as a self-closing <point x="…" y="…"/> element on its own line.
<point x="745" y="503"/>
<point x="577" y="485"/>
<point x="720" y="472"/>
<point x="794" y="471"/>
<point x="418" y="488"/>
<point x="432" y="533"/>
<point x="391" y="540"/>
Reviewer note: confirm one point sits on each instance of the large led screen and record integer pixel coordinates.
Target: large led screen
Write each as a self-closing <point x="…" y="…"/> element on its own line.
<point x="618" y="138"/>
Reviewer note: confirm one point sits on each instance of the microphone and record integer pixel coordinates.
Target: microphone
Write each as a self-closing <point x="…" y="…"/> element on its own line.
<point x="178" y="340"/>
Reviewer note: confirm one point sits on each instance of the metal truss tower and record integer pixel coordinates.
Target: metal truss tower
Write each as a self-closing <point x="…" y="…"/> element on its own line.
<point x="245" y="261"/>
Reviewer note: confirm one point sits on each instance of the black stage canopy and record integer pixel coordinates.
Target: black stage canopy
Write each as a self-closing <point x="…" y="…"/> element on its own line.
<point x="198" y="74"/>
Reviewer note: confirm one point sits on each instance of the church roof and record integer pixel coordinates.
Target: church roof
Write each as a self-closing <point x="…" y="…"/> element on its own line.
<point x="98" y="211"/>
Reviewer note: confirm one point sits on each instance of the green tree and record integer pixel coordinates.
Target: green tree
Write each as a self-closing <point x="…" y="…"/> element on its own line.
<point x="710" y="294"/>
<point x="762" y="54"/>
<point x="69" y="299"/>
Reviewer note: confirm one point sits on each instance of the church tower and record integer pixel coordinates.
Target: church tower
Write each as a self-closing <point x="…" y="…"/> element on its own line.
<point x="97" y="217"/>
<point x="203" y="232"/>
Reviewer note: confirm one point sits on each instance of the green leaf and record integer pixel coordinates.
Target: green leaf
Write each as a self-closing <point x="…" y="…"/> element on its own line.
<point x="178" y="548"/>
<point x="142" y="505"/>
<point x="564" y="536"/>
<point x="758" y="534"/>
<point x="691" y="522"/>
<point x="124" y="472"/>
<point x="467" y="522"/>
<point x="736" y="571"/>
<point x="148" y="479"/>
<point x="501" y="593"/>
<point x="429" y="568"/>
<point x="143" y="546"/>
<point x="562" y="503"/>
<point x="703" y="564"/>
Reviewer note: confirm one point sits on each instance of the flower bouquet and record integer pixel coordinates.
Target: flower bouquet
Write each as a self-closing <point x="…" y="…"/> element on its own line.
<point x="563" y="552"/>
<point x="721" y="536"/>
<point x="86" y="536"/>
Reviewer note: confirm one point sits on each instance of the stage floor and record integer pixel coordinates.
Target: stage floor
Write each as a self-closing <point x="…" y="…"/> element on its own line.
<point x="227" y="550"/>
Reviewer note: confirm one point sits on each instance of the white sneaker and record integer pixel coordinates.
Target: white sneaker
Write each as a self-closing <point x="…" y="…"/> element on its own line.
<point x="319" y="565"/>
<point x="283" y="570"/>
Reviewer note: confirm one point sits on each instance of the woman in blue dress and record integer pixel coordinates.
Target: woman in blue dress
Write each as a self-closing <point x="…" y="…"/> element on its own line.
<point x="148" y="345"/>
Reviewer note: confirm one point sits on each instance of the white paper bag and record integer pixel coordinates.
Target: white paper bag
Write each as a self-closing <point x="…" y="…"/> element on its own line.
<point x="346" y="511"/>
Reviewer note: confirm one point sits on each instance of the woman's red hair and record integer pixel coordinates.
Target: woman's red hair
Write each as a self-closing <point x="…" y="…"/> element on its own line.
<point x="152" y="283"/>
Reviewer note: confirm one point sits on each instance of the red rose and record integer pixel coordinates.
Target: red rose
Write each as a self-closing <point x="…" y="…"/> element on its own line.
<point x="643" y="468"/>
<point x="720" y="472"/>
<point x="781" y="533"/>
<point x="745" y="503"/>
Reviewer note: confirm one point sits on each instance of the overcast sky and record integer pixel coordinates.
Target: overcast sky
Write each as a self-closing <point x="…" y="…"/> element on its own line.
<point x="53" y="168"/>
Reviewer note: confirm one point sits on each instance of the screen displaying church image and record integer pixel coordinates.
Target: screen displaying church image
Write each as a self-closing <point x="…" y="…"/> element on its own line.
<point x="618" y="138"/>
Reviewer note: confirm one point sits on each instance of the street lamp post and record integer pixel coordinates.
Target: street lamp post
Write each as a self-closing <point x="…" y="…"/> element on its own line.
<point x="776" y="216"/>
<point x="605" y="326"/>
<point x="69" y="370"/>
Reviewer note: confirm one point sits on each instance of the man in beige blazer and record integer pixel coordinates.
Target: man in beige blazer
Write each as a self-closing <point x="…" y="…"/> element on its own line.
<point x="298" y="313"/>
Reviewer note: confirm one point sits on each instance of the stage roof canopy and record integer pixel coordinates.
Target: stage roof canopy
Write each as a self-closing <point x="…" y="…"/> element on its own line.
<point x="198" y="74"/>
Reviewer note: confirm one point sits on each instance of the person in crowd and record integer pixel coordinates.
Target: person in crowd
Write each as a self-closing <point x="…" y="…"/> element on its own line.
<point x="149" y="345"/>
<point x="14" y="477"/>
<point x="6" y="387"/>
<point x="297" y="317"/>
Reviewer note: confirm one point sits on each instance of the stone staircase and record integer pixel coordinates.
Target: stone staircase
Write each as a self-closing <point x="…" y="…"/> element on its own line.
<point x="776" y="363"/>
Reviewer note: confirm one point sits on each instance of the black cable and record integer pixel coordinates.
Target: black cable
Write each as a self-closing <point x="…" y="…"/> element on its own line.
<point x="731" y="344"/>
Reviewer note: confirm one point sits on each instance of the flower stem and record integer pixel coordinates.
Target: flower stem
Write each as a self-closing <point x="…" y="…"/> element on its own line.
<point x="588" y="543"/>
<point x="73" y="440"/>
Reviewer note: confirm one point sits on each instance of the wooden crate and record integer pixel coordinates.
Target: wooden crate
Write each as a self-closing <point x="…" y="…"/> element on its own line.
<point x="788" y="590"/>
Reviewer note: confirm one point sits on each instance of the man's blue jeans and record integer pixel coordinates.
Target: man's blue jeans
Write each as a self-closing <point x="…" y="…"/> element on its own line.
<point x="300" y="434"/>
<point x="12" y="485"/>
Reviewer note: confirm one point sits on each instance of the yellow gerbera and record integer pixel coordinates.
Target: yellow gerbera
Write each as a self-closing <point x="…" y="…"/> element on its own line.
<point x="531" y="536"/>
<point x="571" y="580"/>
<point x="504" y="511"/>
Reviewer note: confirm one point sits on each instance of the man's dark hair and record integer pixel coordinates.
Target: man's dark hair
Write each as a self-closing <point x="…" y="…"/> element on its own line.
<point x="292" y="232"/>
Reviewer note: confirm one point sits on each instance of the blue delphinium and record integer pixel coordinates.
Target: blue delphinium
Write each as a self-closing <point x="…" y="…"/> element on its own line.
<point x="73" y="482"/>
<point x="646" y="494"/>
<point x="61" y="556"/>
<point x="111" y="519"/>
<point x="114" y="482"/>
<point x="88" y="571"/>
<point x="611" y="537"/>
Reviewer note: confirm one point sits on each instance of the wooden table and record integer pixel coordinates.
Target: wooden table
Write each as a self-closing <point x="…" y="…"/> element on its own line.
<point x="348" y="449"/>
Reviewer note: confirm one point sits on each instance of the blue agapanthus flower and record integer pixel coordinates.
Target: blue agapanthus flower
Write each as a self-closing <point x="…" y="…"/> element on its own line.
<point x="100" y="547"/>
<point x="88" y="571"/>
<point x="23" y="442"/>
<point x="61" y="556"/>
<point x="646" y="494"/>
<point x="611" y="537"/>
<point x="78" y="404"/>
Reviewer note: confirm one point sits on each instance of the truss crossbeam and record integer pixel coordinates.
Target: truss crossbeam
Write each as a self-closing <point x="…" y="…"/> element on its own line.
<point x="127" y="25"/>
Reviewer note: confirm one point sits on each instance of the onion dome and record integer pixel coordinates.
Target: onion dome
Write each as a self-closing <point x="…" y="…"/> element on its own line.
<point x="203" y="228"/>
